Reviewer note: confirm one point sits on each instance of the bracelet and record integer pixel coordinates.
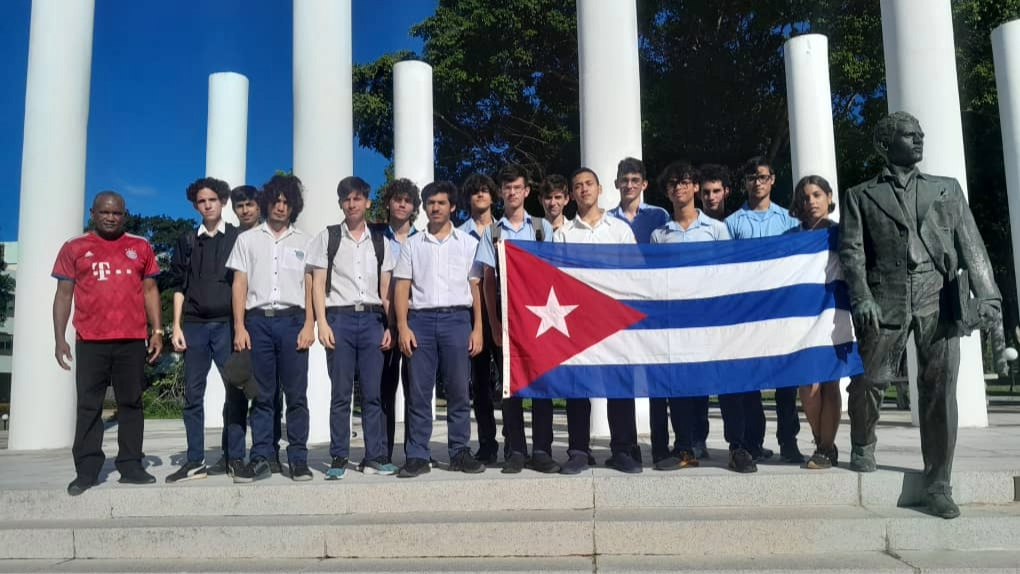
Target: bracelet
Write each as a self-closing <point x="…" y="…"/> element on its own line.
<point x="159" y="332"/>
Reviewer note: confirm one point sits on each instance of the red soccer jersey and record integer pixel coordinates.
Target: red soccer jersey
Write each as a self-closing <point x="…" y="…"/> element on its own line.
<point x="107" y="276"/>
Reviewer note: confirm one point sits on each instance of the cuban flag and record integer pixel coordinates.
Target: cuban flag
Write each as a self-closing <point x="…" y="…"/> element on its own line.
<point x="671" y="320"/>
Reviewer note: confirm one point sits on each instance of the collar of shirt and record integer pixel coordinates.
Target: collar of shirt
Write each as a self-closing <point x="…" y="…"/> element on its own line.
<point x="505" y="223"/>
<point x="701" y="220"/>
<point x="454" y="234"/>
<point x="287" y="233"/>
<point x="773" y="208"/>
<point x="345" y="230"/>
<point x="578" y="222"/>
<point x="888" y="175"/>
<point x="617" y="211"/>
<point x="221" y="228"/>
<point x="470" y="228"/>
<point x="388" y="232"/>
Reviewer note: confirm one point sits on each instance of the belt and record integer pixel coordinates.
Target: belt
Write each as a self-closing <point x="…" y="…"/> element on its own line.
<point x="443" y="309"/>
<point x="283" y="312"/>
<point x="359" y="308"/>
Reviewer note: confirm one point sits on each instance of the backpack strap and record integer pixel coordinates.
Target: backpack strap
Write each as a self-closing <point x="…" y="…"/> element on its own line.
<point x="332" y="246"/>
<point x="539" y="229"/>
<point x="380" y="253"/>
<point x="494" y="232"/>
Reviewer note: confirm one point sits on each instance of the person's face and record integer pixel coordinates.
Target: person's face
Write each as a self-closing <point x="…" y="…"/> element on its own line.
<point x="585" y="190"/>
<point x="681" y="191"/>
<point x="907" y="145"/>
<point x="439" y="209"/>
<point x="759" y="184"/>
<point x="279" y="211"/>
<point x="481" y="199"/>
<point x="553" y="203"/>
<point x="514" y="193"/>
<point x="247" y="212"/>
<point x="713" y="196"/>
<point x="354" y="206"/>
<point x="108" y="215"/>
<point x="400" y="207"/>
<point x="631" y="185"/>
<point x="208" y="204"/>
<point x="815" y="204"/>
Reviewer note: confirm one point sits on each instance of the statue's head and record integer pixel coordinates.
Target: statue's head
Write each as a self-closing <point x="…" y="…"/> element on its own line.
<point x="900" y="139"/>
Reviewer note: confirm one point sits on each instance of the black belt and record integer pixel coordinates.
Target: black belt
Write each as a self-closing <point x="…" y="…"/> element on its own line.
<point x="359" y="308"/>
<point x="283" y="312"/>
<point x="442" y="309"/>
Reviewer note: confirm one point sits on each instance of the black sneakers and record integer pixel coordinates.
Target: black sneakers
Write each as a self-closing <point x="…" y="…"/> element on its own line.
<point x="464" y="462"/>
<point x="299" y="471"/>
<point x="415" y="467"/>
<point x="79" y="485"/>
<point x="741" y="461"/>
<point x="576" y="464"/>
<point x="136" y="475"/>
<point x="219" y="468"/>
<point x="542" y="462"/>
<point x="240" y="472"/>
<point x="259" y="469"/>
<point x="623" y="462"/>
<point x="791" y="454"/>
<point x="514" y="464"/>
<point x="190" y="470"/>
<point x="274" y="464"/>
<point x="487" y="454"/>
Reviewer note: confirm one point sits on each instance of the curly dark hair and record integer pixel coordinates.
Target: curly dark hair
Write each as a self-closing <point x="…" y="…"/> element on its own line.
<point x="679" y="171"/>
<point x="287" y="186"/>
<point x="474" y="183"/>
<point x="800" y="196"/>
<point x="715" y="172"/>
<point x="218" y="186"/>
<point x="401" y="188"/>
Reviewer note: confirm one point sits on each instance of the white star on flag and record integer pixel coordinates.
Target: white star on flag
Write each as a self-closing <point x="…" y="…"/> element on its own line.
<point x="552" y="314"/>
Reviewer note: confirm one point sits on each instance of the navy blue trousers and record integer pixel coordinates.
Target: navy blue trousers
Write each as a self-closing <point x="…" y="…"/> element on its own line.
<point x="276" y="363"/>
<point x="210" y="343"/>
<point x="357" y="337"/>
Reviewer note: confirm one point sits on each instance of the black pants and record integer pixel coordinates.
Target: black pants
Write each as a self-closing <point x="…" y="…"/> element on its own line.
<point x="394" y="368"/>
<point x="101" y="363"/>
<point x="700" y="413"/>
<point x="743" y="420"/>
<point x="787" y="419"/>
<point x="481" y="389"/>
<point x="683" y="414"/>
<point x="622" y="427"/>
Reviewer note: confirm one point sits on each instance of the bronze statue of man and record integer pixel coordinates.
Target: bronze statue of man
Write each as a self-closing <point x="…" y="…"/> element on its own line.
<point x="912" y="255"/>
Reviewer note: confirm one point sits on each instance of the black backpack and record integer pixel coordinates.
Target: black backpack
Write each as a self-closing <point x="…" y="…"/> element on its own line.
<point x="539" y="230"/>
<point x="333" y="246"/>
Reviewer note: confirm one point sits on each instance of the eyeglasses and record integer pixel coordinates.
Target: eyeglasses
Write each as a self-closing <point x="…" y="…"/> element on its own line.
<point x="634" y="180"/>
<point x="675" y="182"/>
<point x="760" y="178"/>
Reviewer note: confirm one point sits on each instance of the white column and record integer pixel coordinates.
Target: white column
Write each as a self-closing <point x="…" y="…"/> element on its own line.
<point x="413" y="130"/>
<point x="1006" y="55"/>
<point x="413" y="148"/>
<point x="920" y="64"/>
<point x="323" y="145"/>
<point x="607" y="43"/>
<point x="226" y="151"/>
<point x="51" y="212"/>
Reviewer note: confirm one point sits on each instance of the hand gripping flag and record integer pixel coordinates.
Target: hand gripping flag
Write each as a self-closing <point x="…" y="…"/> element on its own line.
<point x="670" y="320"/>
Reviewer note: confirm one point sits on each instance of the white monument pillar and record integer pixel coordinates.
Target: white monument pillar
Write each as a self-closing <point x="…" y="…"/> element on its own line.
<point x="323" y="146"/>
<point x="52" y="174"/>
<point x="607" y="43"/>
<point x="226" y="150"/>
<point x="920" y="64"/>
<point x="1006" y="55"/>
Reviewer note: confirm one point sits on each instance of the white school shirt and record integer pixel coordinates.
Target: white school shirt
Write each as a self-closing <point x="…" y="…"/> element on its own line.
<point x="609" y="229"/>
<point x="438" y="270"/>
<point x="275" y="267"/>
<point x="355" y="268"/>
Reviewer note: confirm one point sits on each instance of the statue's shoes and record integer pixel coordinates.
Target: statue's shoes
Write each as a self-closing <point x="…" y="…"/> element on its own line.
<point x="862" y="463"/>
<point x="941" y="504"/>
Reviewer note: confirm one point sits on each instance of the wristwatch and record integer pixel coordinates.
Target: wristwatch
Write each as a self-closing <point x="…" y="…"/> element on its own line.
<point x="159" y="332"/>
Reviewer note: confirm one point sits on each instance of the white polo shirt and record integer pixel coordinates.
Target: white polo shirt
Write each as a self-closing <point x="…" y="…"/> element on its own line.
<point x="355" y="268"/>
<point x="438" y="270"/>
<point x="275" y="267"/>
<point x="609" y="229"/>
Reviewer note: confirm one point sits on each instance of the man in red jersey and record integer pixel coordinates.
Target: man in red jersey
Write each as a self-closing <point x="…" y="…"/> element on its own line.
<point x="109" y="276"/>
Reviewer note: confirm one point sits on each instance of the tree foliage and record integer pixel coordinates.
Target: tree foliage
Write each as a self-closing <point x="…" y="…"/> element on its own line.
<point x="162" y="233"/>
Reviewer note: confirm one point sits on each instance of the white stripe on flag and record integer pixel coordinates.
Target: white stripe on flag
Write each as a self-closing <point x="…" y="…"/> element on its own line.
<point x="710" y="280"/>
<point x="743" y="341"/>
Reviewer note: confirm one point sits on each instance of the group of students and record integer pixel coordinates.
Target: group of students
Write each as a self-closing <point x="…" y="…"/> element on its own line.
<point x="391" y="302"/>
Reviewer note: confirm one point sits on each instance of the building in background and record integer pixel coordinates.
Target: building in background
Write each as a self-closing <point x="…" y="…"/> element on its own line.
<point x="9" y="255"/>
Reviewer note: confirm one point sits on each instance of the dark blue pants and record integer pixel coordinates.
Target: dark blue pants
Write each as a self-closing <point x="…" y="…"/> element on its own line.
<point x="700" y="412"/>
<point x="481" y="387"/>
<point x="210" y="343"/>
<point x="357" y="337"/>
<point x="442" y="342"/>
<point x="394" y="369"/>
<point x="661" y="414"/>
<point x="787" y="419"/>
<point x="743" y="420"/>
<point x="276" y="363"/>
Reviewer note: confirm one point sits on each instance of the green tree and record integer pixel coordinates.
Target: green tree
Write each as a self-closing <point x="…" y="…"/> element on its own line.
<point x="6" y="289"/>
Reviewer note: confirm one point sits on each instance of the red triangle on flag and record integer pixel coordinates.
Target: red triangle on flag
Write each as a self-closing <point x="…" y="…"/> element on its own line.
<point x="552" y="316"/>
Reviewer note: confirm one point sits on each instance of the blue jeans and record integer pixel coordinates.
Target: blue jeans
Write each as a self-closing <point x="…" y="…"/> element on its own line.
<point x="210" y="343"/>
<point x="442" y="342"/>
<point x="276" y="363"/>
<point x="357" y="337"/>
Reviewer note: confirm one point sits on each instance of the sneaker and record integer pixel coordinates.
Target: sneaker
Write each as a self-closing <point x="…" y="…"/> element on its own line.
<point x="700" y="451"/>
<point x="380" y="466"/>
<point x="221" y="467"/>
<point x="337" y="469"/>
<point x="488" y="454"/>
<point x="299" y="471"/>
<point x="79" y="485"/>
<point x="259" y="469"/>
<point x="741" y="461"/>
<point x="240" y="472"/>
<point x="791" y="454"/>
<point x="136" y="475"/>
<point x="190" y="470"/>
<point x="576" y="464"/>
<point x="274" y="465"/>
<point x="819" y="461"/>
<point x="623" y="462"/>
<point x="668" y="463"/>
<point x="542" y="462"/>
<point x="414" y="467"/>
<point x="761" y="453"/>
<point x="514" y="464"/>
<point x="464" y="462"/>
<point x="834" y="456"/>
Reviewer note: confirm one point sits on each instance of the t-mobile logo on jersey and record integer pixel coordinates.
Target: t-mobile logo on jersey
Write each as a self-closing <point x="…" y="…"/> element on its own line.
<point x="101" y="270"/>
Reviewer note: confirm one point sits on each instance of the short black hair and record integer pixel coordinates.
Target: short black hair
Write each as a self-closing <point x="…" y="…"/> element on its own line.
<point x="287" y="185"/>
<point x="631" y="165"/>
<point x="475" y="183"/>
<point x="511" y="172"/>
<point x="402" y="187"/>
<point x="581" y="170"/>
<point x="751" y="166"/>
<point x="218" y="186"/>
<point x="554" y="182"/>
<point x="800" y="196"/>
<point x="715" y="172"/>
<point x="244" y="193"/>
<point x="437" y="187"/>
<point x="679" y="171"/>
<point x="352" y="184"/>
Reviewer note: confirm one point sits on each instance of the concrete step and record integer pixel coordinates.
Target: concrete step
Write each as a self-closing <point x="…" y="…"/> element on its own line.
<point x="681" y="533"/>
<point x="442" y="491"/>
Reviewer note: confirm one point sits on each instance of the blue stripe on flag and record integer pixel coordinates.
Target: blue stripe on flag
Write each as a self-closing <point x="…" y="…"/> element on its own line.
<point x="813" y="365"/>
<point x="805" y="300"/>
<point x="664" y="256"/>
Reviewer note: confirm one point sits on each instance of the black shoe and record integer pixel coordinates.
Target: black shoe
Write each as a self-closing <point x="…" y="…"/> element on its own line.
<point x="299" y="471"/>
<point x="274" y="465"/>
<point x="337" y="468"/>
<point x="136" y="475"/>
<point x="464" y="462"/>
<point x="221" y="467"/>
<point x="623" y="462"/>
<point x="700" y="451"/>
<point x="79" y="485"/>
<point x="514" y="464"/>
<point x="240" y="472"/>
<point x="576" y="464"/>
<point x="742" y="462"/>
<point x="761" y="453"/>
<point x="488" y="454"/>
<point x="834" y="456"/>
<point x="190" y="470"/>
<point x="941" y="504"/>
<point x="791" y="454"/>
<point x="414" y="467"/>
<point x="542" y="462"/>
<point x="259" y="469"/>
<point x="819" y="460"/>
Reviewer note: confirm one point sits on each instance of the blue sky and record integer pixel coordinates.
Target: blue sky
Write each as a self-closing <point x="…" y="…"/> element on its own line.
<point x="151" y="60"/>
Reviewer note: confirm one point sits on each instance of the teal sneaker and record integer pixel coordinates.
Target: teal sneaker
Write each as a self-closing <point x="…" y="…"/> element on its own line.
<point x="379" y="466"/>
<point x="338" y="469"/>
